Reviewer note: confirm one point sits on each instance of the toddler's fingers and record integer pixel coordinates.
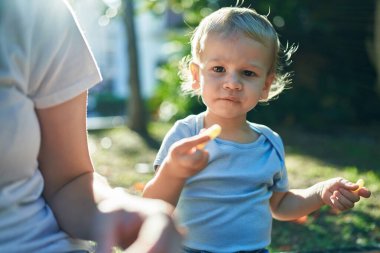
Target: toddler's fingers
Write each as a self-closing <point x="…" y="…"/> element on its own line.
<point x="335" y="203"/>
<point x="346" y="202"/>
<point x="351" y="196"/>
<point x="360" y="190"/>
<point x="364" y="192"/>
<point x="344" y="183"/>
<point x="187" y="144"/>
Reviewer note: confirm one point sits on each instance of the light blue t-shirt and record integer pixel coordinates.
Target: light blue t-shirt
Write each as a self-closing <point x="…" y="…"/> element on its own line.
<point x="225" y="207"/>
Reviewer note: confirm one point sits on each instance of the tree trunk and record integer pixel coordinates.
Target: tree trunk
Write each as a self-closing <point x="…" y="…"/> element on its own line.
<point x="376" y="44"/>
<point x="136" y="110"/>
<point x="137" y="114"/>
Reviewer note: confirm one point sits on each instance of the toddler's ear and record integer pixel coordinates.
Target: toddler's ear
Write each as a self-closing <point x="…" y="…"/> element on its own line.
<point x="268" y="83"/>
<point x="194" y="69"/>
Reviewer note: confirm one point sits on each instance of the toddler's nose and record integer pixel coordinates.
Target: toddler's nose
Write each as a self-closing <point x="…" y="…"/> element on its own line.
<point x="232" y="82"/>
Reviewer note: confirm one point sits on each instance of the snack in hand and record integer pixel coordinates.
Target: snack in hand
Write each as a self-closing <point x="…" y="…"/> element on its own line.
<point x="213" y="132"/>
<point x="360" y="182"/>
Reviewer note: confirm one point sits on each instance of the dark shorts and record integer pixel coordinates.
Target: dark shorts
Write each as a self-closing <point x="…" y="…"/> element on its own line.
<point x="189" y="250"/>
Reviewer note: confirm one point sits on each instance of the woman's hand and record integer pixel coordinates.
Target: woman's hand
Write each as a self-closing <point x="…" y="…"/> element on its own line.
<point x="140" y="225"/>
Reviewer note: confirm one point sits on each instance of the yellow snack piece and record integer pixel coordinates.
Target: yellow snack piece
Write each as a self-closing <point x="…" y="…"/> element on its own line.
<point x="360" y="182"/>
<point x="213" y="132"/>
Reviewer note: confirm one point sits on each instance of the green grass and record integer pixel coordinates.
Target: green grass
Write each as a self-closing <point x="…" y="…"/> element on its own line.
<point x="311" y="157"/>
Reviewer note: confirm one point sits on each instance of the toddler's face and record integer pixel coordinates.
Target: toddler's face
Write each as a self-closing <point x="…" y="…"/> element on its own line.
<point x="233" y="74"/>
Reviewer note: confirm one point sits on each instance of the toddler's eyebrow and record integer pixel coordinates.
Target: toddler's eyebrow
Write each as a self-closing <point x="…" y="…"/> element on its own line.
<point x="256" y="64"/>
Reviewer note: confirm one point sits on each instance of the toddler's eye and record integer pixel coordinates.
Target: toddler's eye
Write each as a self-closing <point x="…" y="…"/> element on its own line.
<point x="218" y="69"/>
<point x="249" y="73"/>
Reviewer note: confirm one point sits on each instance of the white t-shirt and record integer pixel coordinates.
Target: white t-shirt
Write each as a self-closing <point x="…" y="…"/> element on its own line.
<point x="44" y="61"/>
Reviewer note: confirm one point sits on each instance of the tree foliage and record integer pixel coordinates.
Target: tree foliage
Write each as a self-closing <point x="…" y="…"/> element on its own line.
<point x="334" y="81"/>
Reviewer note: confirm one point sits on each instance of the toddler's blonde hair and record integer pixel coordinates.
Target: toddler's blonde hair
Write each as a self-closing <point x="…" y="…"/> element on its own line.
<point x="230" y="20"/>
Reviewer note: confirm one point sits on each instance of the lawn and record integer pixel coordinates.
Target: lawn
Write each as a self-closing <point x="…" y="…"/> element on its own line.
<point x="121" y="156"/>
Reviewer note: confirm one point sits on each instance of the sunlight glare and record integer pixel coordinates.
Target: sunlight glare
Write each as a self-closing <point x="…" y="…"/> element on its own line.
<point x="106" y="143"/>
<point x="167" y="111"/>
<point x="103" y="20"/>
<point x="113" y="3"/>
<point x="111" y="12"/>
<point x="279" y="21"/>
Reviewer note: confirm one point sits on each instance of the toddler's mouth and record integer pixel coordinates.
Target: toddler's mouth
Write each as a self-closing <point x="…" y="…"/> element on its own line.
<point x="230" y="99"/>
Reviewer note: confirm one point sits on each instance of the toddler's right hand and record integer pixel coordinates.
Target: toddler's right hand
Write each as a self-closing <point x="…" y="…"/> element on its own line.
<point x="185" y="159"/>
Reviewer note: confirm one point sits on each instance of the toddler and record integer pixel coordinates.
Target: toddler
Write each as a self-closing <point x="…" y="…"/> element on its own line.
<point x="227" y="193"/>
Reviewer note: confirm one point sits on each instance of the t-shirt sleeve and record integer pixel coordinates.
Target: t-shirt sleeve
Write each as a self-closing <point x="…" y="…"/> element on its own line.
<point x="281" y="183"/>
<point x="61" y="63"/>
<point x="280" y="177"/>
<point x="179" y="131"/>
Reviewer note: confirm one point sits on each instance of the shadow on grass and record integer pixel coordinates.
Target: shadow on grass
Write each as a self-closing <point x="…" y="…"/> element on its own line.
<point x="357" y="230"/>
<point x="339" y="148"/>
<point x="326" y="231"/>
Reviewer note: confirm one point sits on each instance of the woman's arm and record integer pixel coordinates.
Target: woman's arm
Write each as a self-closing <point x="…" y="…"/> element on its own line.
<point x="66" y="166"/>
<point x="75" y="193"/>
<point x="336" y="192"/>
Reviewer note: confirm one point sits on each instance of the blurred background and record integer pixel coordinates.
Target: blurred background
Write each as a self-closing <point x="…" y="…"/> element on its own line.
<point x="336" y="68"/>
<point x="329" y="119"/>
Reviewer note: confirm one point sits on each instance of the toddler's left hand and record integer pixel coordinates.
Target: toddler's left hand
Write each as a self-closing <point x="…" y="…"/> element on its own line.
<point x="340" y="194"/>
